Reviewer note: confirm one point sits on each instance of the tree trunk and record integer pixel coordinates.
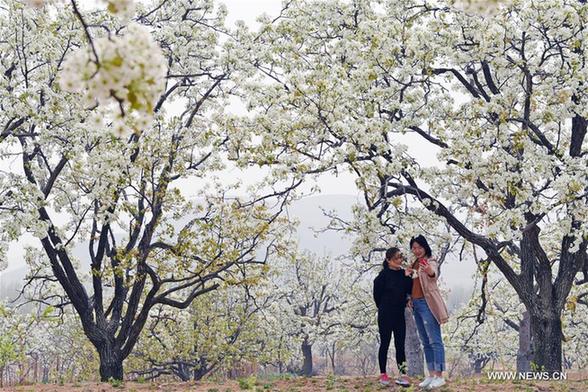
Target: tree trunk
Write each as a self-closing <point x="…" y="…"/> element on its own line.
<point x="58" y="368"/>
<point x="45" y="374"/>
<point x="414" y="352"/>
<point x="524" y="353"/>
<point x="331" y="355"/>
<point x="307" y="354"/>
<point x="111" y="365"/>
<point x="202" y="369"/>
<point x="546" y="336"/>
<point x="183" y="371"/>
<point x="567" y="363"/>
<point x="21" y="373"/>
<point x="477" y="366"/>
<point x="35" y="375"/>
<point x="478" y="362"/>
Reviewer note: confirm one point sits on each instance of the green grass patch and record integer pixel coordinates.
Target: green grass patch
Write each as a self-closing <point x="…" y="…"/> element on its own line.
<point x="115" y="383"/>
<point x="247" y="383"/>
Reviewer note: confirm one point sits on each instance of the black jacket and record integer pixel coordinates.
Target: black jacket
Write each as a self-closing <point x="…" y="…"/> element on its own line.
<point x="391" y="289"/>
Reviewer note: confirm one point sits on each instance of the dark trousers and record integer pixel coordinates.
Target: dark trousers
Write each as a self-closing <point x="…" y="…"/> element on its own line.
<point x="391" y="321"/>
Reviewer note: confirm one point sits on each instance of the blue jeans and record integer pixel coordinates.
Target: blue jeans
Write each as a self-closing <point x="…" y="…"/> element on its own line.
<point x="430" y="334"/>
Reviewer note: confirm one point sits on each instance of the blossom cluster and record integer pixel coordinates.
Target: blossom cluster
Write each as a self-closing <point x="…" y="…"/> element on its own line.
<point x="124" y="9"/>
<point x="128" y="74"/>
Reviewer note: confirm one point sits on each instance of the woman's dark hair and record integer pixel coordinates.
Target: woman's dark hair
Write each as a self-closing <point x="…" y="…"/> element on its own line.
<point x="422" y="241"/>
<point x="390" y="252"/>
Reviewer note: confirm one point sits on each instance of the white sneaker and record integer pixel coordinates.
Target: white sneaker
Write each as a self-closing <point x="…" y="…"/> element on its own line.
<point x="402" y="381"/>
<point x="436" y="383"/>
<point x="426" y="382"/>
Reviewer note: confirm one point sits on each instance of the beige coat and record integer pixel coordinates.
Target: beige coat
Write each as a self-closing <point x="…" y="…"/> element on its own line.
<point x="432" y="294"/>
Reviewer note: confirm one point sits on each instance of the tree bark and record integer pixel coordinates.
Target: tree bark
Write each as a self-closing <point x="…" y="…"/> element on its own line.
<point x="524" y="354"/>
<point x="331" y="355"/>
<point x="477" y="363"/>
<point x="546" y="336"/>
<point x="183" y="371"/>
<point x="111" y="363"/>
<point x="414" y="351"/>
<point x="35" y="374"/>
<point x="202" y="369"/>
<point x="307" y="355"/>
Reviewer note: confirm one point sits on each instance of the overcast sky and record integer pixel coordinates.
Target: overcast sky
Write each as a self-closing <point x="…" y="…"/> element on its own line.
<point x="248" y="10"/>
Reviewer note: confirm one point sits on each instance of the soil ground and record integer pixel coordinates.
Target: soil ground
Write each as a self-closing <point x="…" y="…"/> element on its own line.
<point x="578" y="382"/>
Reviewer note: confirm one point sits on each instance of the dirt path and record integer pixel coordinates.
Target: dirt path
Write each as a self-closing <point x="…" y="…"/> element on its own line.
<point x="300" y="384"/>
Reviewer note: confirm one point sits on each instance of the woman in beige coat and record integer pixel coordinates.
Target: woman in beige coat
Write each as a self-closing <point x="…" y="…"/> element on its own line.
<point x="429" y="310"/>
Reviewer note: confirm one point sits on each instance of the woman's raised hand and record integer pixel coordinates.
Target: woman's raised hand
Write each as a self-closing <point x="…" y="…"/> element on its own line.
<point x="424" y="264"/>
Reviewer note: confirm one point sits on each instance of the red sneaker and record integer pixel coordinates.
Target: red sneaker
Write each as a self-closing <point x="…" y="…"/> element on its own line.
<point x="384" y="379"/>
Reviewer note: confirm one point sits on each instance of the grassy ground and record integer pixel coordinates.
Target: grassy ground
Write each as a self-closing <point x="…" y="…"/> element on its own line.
<point x="328" y="383"/>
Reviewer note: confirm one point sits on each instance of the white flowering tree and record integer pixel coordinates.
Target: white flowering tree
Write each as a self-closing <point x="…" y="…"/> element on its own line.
<point x="494" y="328"/>
<point x="359" y="339"/>
<point x="486" y="329"/>
<point x="11" y="332"/>
<point x="310" y="305"/>
<point x="57" y="349"/>
<point x="575" y="329"/>
<point x="217" y="332"/>
<point x="495" y="107"/>
<point x="41" y="345"/>
<point x="106" y="116"/>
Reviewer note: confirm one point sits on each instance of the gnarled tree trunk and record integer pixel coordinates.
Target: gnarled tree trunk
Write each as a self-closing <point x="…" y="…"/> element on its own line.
<point x="546" y="337"/>
<point x="307" y="361"/>
<point x="111" y="363"/>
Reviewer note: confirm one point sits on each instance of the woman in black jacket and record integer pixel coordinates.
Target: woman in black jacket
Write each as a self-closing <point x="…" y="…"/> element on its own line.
<point x="391" y="290"/>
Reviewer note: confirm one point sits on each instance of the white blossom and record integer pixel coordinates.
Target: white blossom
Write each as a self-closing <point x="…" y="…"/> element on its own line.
<point x="128" y="77"/>
<point x="123" y="9"/>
